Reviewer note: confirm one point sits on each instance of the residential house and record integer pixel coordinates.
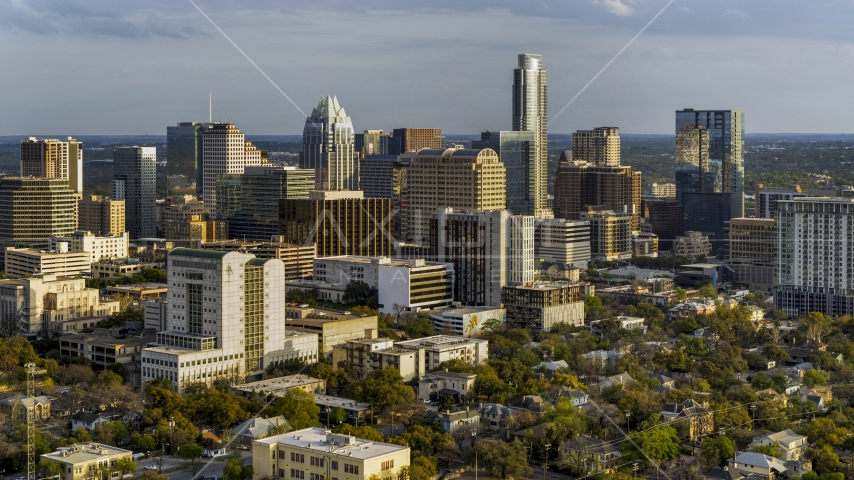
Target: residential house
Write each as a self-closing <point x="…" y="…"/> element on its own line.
<point x="578" y="397"/>
<point x="817" y="401"/>
<point x="437" y="384"/>
<point x="551" y="367"/>
<point x="449" y="420"/>
<point x="213" y="445"/>
<point x="87" y="420"/>
<point x="792" y="386"/>
<point x="757" y="314"/>
<point x="823" y="391"/>
<point x="594" y="455"/>
<point x="765" y="466"/>
<point x="665" y="383"/>
<point x="799" y="370"/>
<point x="692" y="309"/>
<point x="533" y="403"/>
<point x="38" y="406"/>
<point x="792" y="446"/>
<point x="622" y="379"/>
<point x="256" y="428"/>
<point x="537" y="432"/>
<point x="700" y="420"/>
<point x="604" y="358"/>
<point x="773" y="395"/>
<point x="355" y="412"/>
<point x="494" y="416"/>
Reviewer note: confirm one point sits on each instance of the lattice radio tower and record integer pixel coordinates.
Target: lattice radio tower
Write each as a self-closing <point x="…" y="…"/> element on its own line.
<point x="31" y="422"/>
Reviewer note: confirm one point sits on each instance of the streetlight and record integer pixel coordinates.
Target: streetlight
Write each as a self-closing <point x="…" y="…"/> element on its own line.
<point x="546" y="460"/>
<point x="753" y="416"/>
<point x="171" y="434"/>
<point x="628" y="420"/>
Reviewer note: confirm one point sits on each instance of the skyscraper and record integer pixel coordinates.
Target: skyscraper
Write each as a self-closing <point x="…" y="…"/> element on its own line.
<point x="53" y="158"/>
<point x="518" y="152"/>
<point x="694" y="172"/>
<point x="328" y="147"/>
<point x="414" y="139"/>
<point x="726" y="145"/>
<point x="224" y="151"/>
<point x="135" y="182"/>
<point x="184" y="158"/>
<point x="33" y="209"/>
<point x="530" y="115"/>
<point x="600" y="146"/>
<point x="101" y="215"/>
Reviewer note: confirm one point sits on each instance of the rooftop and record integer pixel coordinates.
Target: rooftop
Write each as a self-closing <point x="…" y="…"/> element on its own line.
<point x="442" y="374"/>
<point x="318" y="439"/>
<point x="346" y="403"/>
<point x="85" y="452"/>
<point x="280" y="383"/>
<point x="438" y="341"/>
<point x="194" y="252"/>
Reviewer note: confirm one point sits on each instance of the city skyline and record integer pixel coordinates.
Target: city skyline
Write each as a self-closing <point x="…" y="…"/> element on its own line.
<point x="736" y="56"/>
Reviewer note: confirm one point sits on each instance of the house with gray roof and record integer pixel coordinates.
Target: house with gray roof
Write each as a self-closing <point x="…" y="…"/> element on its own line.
<point x="256" y="428"/>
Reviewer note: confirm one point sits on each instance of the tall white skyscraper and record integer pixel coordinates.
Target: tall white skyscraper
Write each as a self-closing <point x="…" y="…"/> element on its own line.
<point x="530" y="115"/>
<point x="225" y="150"/>
<point x="135" y="182"/>
<point x="328" y="147"/>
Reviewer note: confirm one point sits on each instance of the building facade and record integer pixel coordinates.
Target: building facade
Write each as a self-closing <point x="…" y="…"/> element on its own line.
<point x="666" y="218"/>
<point x="328" y="147"/>
<point x="184" y="164"/>
<point x="539" y="307"/>
<point x="466" y="321"/>
<point x="530" y="114"/>
<point x="101" y="215"/>
<point x="664" y="190"/>
<point x="33" y="209"/>
<point x="600" y="146"/>
<point x="441" y="348"/>
<point x="767" y="198"/>
<point x="225" y="151"/>
<point x="527" y="194"/>
<point x="22" y="262"/>
<point x="692" y="245"/>
<point x="751" y="252"/>
<point x="135" y="182"/>
<point x="100" y="247"/>
<point x="298" y="259"/>
<point x="332" y="327"/>
<point x="610" y="234"/>
<point x="414" y="139"/>
<point x="51" y="158"/>
<point x="85" y="460"/>
<point x="562" y="242"/>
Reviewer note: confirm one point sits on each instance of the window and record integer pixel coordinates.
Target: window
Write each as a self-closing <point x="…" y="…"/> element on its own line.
<point x="281" y="472"/>
<point x="388" y="465"/>
<point x="297" y="457"/>
<point x="282" y="454"/>
<point x="295" y="473"/>
<point x="334" y="464"/>
<point x="352" y="469"/>
<point x="317" y="462"/>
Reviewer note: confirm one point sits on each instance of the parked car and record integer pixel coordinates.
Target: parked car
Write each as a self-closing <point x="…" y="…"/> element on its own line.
<point x="63" y="390"/>
<point x="151" y="467"/>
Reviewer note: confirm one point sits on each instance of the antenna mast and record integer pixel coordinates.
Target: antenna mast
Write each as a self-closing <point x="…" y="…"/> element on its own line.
<point x="31" y="422"/>
<point x="210" y="108"/>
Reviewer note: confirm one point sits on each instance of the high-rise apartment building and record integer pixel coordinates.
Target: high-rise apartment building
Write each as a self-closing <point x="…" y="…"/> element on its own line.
<point x="562" y="242"/>
<point x="53" y="158"/>
<point x="752" y="243"/>
<point x="530" y="114"/>
<point x="135" y="182"/>
<point x="340" y="223"/>
<point x="694" y="171"/>
<point x="33" y="209"/>
<point x="527" y="194"/>
<point x="225" y="318"/>
<point x="225" y="151"/>
<point x="663" y="190"/>
<point x="414" y="139"/>
<point x="726" y="145"/>
<point x="488" y="250"/>
<point x="813" y="262"/>
<point x="328" y="147"/>
<point x="184" y="165"/>
<point x="249" y="202"/>
<point x="462" y="179"/>
<point x="666" y="219"/>
<point x="600" y="146"/>
<point x="368" y="142"/>
<point x="579" y="185"/>
<point x="767" y="198"/>
<point x="539" y="307"/>
<point x="610" y="233"/>
<point x="176" y="219"/>
<point x="101" y="215"/>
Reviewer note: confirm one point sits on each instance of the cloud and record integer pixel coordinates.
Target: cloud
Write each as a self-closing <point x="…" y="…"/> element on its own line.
<point x="617" y="7"/>
<point x="732" y="12"/>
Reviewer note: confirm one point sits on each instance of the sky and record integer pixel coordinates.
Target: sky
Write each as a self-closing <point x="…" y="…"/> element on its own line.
<point x="88" y="67"/>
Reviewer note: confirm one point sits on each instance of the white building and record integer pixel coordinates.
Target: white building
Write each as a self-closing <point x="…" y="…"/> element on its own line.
<point x="414" y="284"/>
<point x="446" y="383"/>
<point x="441" y="348"/>
<point x="156" y="312"/>
<point x="224" y="151"/>
<point x="225" y="318"/>
<point x="100" y="247"/>
<point x="466" y="321"/>
<point x="562" y="242"/>
<point x="21" y="262"/>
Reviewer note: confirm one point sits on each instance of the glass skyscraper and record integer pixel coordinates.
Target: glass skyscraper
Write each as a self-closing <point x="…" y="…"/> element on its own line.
<point x="134" y="181"/>
<point x="328" y="147"/>
<point x="184" y="158"/>
<point x="530" y="115"/>
<point x="726" y="145"/>
<point x="518" y="152"/>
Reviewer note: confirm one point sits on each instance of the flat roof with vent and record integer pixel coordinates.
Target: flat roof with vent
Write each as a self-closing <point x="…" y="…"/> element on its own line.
<point x="319" y="439"/>
<point x="86" y="452"/>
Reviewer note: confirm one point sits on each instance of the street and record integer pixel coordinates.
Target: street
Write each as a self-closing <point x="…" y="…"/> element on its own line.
<point x="208" y="467"/>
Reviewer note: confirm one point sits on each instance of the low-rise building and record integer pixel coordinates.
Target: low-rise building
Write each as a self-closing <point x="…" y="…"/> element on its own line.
<point x="441" y="348"/>
<point x="102" y="349"/>
<point x="87" y="420"/>
<point x="644" y="244"/>
<point x="333" y="327"/>
<point x="26" y="262"/>
<point x="82" y="461"/>
<point x="540" y="306"/>
<point x="623" y="323"/>
<point x="449" y="420"/>
<point x="494" y="416"/>
<point x="38" y="406"/>
<point x="355" y="412"/>
<point x="99" y="247"/>
<point x="140" y="292"/>
<point x="692" y="309"/>
<point x="642" y="293"/>
<point x="596" y="455"/>
<point x="692" y="245"/>
<point x="313" y="453"/>
<point x="119" y="267"/>
<point x="466" y="321"/>
<point x="437" y="384"/>
<point x="792" y="448"/>
<point x="698" y="418"/>
<point x="257" y="428"/>
<point x="765" y="466"/>
<point x="279" y="386"/>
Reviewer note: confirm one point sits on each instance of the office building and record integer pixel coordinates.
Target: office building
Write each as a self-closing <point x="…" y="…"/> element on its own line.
<point x="442" y="348"/>
<point x="224" y="320"/>
<point x="527" y="193"/>
<point x="184" y="164"/>
<point x="530" y="114"/>
<point x="368" y="142"/>
<point x="332" y="327"/>
<point x="644" y="244"/>
<point x="225" y="151"/>
<point x="135" y="182"/>
<point x="298" y="259"/>
<point x="101" y="215"/>
<point x="249" y="202"/>
<point x="156" y="312"/>
<point x="33" y="209"/>
<point x="413" y="284"/>
<point x="328" y="147"/>
<point x="454" y="178"/>
<point x="315" y="454"/>
<point x="562" y="242"/>
<point x="465" y="321"/>
<point x="53" y="158"/>
<point x="726" y="145"/>
<point x="579" y="184"/>
<point x="414" y="139"/>
<point x="42" y="302"/>
<point x="666" y="219"/>
<point x="176" y="216"/>
<point x="707" y="212"/>
<point x="99" y="247"/>
<point x="664" y="190"/>
<point x="488" y="250"/>
<point x="339" y="223"/>
<point x="752" y="243"/>
<point x="813" y="263"/>
<point x="280" y="386"/>
<point x="538" y="307"/>
<point x="600" y="146"/>
<point x="383" y="176"/>
<point x="102" y="350"/>
<point x="692" y="245"/>
<point x="370" y="353"/>
<point x="610" y="234"/>
<point x="767" y="198"/>
<point x="84" y="460"/>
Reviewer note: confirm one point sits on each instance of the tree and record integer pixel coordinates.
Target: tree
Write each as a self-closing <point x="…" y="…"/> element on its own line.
<point x="776" y="353"/>
<point x="152" y="475"/>
<point x="824" y="459"/>
<point x="405" y="412"/>
<point x="630" y="364"/>
<point x="360" y="292"/>
<point x="299" y="409"/>
<point x="365" y="431"/>
<point x="772" y="450"/>
<point x="420" y="467"/>
<point x="124" y="465"/>
<point x="383" y="388"/>
<point x="418" y="327"/>
<point x="681" y="294"/>
<point x="500" y="459"/>
<point x="338" y="415"/>
<point x="717" y="449"/>
<point x="48" y="468"/>
<point x="142" y="442"/>
<point x="191" y="452"/>
<point x="813" y="377"/>
<point x="659" y="444"/>
<point x="492" y="325"/>
<point x="823" y="431"/>
<point x="235" y="470"/>
<point x="708" y="291"/>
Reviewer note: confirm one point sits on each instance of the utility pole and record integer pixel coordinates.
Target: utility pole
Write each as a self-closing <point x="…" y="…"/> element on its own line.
<point x="171" y="435"/>
<point x="31" y="422"/>
<point x="753" y="416"/>
<point x="628" y="421"/>
<point x="546" y="460"/>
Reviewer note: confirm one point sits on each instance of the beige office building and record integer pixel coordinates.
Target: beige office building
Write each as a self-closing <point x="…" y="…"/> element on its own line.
<point x="600" y="146"/>
<point x="23" y="262"/>
<point x="751" y="252"/>
<point x="458" y="178"/>
<point x="53" y="158"/>
<point x="692" y="245"/>
<point x="33" y="209"/>
<point x="101" y="215"/>
<point x="610" y="234"/>
<point x="225" y="151"/>
<point x="82" y="461"/>
<point x="298" y="259"/>
<point x="333" y="327"/>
